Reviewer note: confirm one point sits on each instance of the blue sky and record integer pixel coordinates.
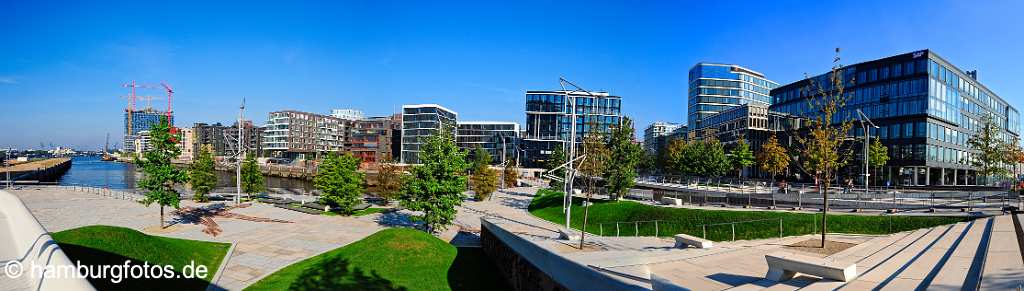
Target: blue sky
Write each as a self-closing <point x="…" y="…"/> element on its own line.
<point x="62" y="64"/>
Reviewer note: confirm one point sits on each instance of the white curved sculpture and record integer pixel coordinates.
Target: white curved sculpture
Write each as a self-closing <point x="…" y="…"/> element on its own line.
<point x="27" y="250"/>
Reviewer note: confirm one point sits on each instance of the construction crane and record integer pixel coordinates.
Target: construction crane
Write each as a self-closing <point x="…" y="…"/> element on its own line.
<point x="170" y="95"/>
<point x="131" y="101"/>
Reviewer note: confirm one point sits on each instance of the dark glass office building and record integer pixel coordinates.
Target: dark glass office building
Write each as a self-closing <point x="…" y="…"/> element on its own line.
<point x="548" y="115"/>
<point x="926" y="109"/>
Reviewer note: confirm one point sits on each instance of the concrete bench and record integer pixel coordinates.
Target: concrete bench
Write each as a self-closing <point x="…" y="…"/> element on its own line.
<point x="783" y="266"/>
<point x="671" y="201"/>
<point x="684" y="240"/>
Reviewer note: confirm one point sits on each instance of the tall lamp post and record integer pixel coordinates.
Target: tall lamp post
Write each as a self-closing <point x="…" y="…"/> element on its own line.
<point x="570" y="172"/>
<point x="867" y="144"/>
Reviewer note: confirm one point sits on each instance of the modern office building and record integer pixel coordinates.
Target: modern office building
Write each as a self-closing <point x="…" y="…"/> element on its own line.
<point x="419" y="122"/>
<point x="549" y="115"/>
<point x="753" y="123"/>
<point x="303" y="135"/>
<point x="496" y="137"/>
<point x="141" y="120"/>
<point x="375" y="139"/>
<point x="926" y="109"/>
<point x="348" y="114"/>
<point x="718" y="87"/>
<point x="656" y="135"/>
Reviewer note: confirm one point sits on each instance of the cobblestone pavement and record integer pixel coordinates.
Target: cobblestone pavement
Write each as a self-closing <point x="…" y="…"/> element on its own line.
<point x="260" y="247"/>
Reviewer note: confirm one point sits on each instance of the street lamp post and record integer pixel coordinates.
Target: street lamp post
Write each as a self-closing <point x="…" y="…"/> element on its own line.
<point x="570" y="172"/>
<point x="867" y="143"/>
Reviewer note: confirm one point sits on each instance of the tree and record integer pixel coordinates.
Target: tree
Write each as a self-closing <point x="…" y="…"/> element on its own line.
<point x="675" y="155"/>
<point x="511" y="175"/>
<point x="821" y="149"/>
<point x="741" y="157"/>
<point x="773" y="158"/>
<point x="202" y="174"/>
<point x="389" y="180"/>
<point x="339" y="182"/>
<point x="485" y="182"/>
<point x="556" y="159"/>
<point x="711" y="158"/>
<point x="879" y="155"/>
<point x="594" y="165"/>
<point x="624" y="157"/>
<point x="481" y="159"/>
<point x="435" y="187"/>
<point x="990" y="156"/>
<point x="252" y="176"/>
<point x="159" y="175"/>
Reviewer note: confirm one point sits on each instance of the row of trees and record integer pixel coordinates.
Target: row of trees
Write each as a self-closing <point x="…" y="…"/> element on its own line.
<point x="161" y="176"/>
<point x="434" y="187"/>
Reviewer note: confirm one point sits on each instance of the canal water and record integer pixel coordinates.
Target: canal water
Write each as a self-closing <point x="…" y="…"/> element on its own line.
<point x="91" y="171"/>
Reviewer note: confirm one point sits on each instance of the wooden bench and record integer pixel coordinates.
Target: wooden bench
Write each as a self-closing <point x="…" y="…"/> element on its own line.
<point x="685" y="240"/>
<point x="783" y="266"/>
<point x="671" y="201"/>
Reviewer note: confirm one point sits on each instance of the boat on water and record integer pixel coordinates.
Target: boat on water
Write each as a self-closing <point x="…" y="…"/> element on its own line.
<point x="106" y="151"/>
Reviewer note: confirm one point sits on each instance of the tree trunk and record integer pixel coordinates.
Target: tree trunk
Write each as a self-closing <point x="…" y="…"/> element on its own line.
<point x="161" y="216"/>
<point x="823" y="189"/>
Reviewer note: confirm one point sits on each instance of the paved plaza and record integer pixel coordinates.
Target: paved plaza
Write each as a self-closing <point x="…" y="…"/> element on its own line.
<point x="260" y="248"/>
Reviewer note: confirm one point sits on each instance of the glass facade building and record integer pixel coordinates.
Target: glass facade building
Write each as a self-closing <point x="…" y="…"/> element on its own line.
<point x="926" y="109"/>
<point x="141" y="120"/>
<point x="496" y="137"/>
<point x="422" y="121"/>
<point x="714" y="88"/>
<point x="656" y="135"/>
<point x="549" y="115"/>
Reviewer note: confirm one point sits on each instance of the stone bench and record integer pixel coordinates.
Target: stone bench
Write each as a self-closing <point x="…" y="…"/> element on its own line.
<point x="671" y="201"/>
<point x="685" y="240"/>
<point x="783" y="266"/>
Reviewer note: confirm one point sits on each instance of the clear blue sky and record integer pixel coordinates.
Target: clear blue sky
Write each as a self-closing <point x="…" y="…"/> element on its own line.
<point x="62" y="64"/>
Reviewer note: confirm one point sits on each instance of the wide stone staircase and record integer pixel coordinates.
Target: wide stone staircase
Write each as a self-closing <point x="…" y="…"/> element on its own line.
<point x="983" y="254"/>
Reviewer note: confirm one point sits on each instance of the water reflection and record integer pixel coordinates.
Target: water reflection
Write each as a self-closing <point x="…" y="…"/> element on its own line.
<point x="91" y="171"/>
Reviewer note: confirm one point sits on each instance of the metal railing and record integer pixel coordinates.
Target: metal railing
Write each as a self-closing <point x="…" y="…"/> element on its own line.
<point x="758" y="194"/>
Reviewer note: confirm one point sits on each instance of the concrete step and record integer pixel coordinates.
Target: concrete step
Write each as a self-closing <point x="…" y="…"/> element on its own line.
<point x="958" y="264"/>
<point x="922" y="270"/>
<point x="1004" y="267"/>
<point x="882" y="268"/>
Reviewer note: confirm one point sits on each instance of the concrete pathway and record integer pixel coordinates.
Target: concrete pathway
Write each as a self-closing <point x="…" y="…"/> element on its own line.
<point x="261" y="248"/>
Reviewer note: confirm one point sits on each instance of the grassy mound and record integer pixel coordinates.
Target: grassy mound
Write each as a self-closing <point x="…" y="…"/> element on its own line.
<point x="603" y="215"/>
<point x="100" y="245"/>
<point x="392" y="259"/>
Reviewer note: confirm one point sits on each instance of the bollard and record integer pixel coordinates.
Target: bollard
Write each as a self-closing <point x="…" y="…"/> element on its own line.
<point x="655" y="228"/>
<point x="616" y="229"/>
<point x="733" y="231"/>
<point x="705" y="227"/>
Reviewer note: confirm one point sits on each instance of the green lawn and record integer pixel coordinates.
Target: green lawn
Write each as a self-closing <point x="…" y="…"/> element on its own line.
<point x="391" y="259"/>
<point x="101" y="245"/>
<point x="548" y="205"/>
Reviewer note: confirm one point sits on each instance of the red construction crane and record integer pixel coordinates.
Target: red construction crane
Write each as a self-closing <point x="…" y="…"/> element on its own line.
<point x="170" y="95"/>
<point x="131" y="101"/>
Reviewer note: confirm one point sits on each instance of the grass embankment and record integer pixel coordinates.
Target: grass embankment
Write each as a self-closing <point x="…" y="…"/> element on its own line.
<point x="603" y="215"/>
<point x="391" y="259"/>
<point x="101" y="245"/>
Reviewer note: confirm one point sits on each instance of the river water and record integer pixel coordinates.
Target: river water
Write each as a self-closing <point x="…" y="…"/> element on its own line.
<point x="91" y="171"/>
